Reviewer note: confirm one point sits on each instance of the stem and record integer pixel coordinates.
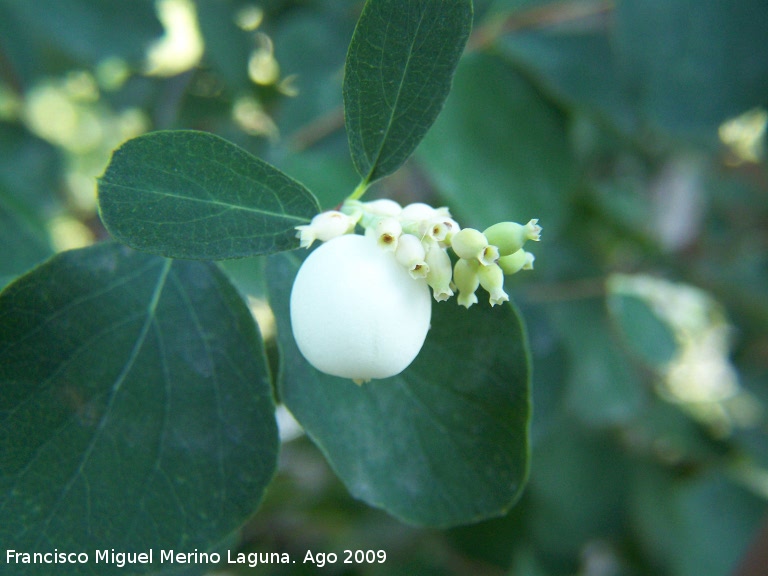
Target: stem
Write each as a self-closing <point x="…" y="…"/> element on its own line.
<point x="359" y="191"/>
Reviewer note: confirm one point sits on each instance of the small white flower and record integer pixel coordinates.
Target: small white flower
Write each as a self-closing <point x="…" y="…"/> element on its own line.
<point x="324" y="227"/>
<point x="372" y="211"/>
<point x="410" y="253"/>
<point x="441" y="229"/>
<point x="386" y="230"/>
<point x="417" y="212"/>
<point x="440" y="270"/>
<point x="383" y="207"/>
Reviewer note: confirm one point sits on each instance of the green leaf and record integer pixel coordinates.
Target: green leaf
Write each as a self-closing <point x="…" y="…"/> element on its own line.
<point x="442" y="444"/>
<point x="578" y="68"/>
<point x="398" y="73"/>
<point x="135" y="411"/>
<point x="602" y="387"/>
<point x="576" y="490"/>
<point x="680" y="68"/>
<point x="50" y="36"/>
<point x="187" y="194"/>
<point x="646" y="334"/>
<point x="678" y="519"/>
<point x="693" y="63"/>
<point x="24" y="240"/>
<point x="29" y="174"/>
<point x="498" y="141"/>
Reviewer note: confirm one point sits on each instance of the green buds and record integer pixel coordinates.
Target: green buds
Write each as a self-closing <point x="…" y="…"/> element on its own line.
<point x="509" y="237"/>
<point x="492" y="280"/>
<point x="520" y="260"/>
<point x="470" y="244"/>
<point x="467" y="281"/>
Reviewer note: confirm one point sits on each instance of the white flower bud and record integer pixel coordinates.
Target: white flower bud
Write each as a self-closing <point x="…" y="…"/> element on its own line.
<point x="440" y="269"/>
<point x="418" y="211"/>
<point x="353" y="209"/>
<point x="441" y="229"/>
<point x="509" y="237"/>
<point x="492" y="280"/>
<point x="382" y="207"/>
<point x="374" y="210"/>
<point x="466" y="280"/>
<point x="386" y="231"/>
<point x="325" y="226"/>
<point x="410" y="253"/>
<point x="356" y="313"/>
<point x="520" y="260"/>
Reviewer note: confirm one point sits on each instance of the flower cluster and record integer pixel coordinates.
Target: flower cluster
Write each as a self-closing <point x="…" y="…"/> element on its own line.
<point x="419" y="236"/>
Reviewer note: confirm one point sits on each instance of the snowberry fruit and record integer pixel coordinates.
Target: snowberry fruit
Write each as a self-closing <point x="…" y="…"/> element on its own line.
<point x="356" y="312"/>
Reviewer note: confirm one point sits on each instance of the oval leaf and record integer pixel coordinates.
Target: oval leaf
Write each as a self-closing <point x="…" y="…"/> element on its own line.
<point x="187" y="194"/>
<point x="442" y="444"/>
<point x="136" y="411"/>
<point x="398" y="73"/>
<point x="498" y="140"/>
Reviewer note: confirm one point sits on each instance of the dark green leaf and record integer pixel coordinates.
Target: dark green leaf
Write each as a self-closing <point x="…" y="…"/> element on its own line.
<point x="498" y="151"/>
<point x="693" y="63"/>
<point x="679" y="521"/>
<point x="602" y="387"/>
<point x="29" y="175"/>
<point x="398" y="73"/>
<point x="678" y="67"/>
<point x="328" y="173"/>
<point x="578" y="68"/>
<point x="186" y="194"/>
<point x="24" y="241"/>
<point x="30" y="171"/>
<point x="49" y="36"/>
<point x="576" y="489"/>
<point x="646" y="334"/>
<point x="442" y="444"/>
<point x="309" y="45"/>
<point x="227" y="46"/>
<point x="135" y="411"/>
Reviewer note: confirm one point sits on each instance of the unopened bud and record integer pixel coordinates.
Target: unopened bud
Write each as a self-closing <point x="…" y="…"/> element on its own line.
<point x="324" y="227"/>
<point x="513" y="263"/>
<point x="440" y="269"/>
<point x="383" y="207"/>
<point x="410" y="253"/>
<point x="440" y="229"/>
<point x="509" y="237"/>
<point x="472" y="244"/>
<point x="466" y="280"/>
<point x="418" y="211"/>
<point x="386" y="231"/>
<point x="492" y="280"/>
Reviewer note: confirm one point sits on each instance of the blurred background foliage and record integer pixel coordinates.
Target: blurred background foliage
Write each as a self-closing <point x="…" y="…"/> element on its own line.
<point x="633" y="129"/>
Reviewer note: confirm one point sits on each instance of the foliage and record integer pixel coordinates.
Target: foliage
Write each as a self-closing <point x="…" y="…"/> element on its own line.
<point x="137" y="394"/>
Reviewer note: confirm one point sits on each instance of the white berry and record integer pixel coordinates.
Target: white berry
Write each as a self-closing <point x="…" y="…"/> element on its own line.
<point x="356" y="312"/>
